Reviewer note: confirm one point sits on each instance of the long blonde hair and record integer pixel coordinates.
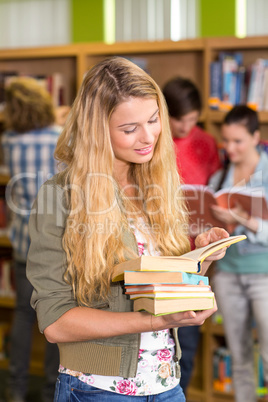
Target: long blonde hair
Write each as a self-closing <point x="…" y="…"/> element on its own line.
<point x="93" y="238"/>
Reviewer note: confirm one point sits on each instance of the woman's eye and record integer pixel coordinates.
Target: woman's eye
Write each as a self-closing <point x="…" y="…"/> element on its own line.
<point x="130" y="131"/>
<point x="153" y="121"/>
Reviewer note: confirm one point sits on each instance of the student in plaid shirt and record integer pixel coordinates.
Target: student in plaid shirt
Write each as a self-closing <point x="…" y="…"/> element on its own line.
<point x="28" y="145"/>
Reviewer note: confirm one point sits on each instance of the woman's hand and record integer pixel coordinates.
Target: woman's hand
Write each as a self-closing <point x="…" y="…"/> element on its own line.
<point x="184" y="319"/>
<point x="230" y="215"/>
<point x="235" y="216"/>
<point x="208" y="237"/>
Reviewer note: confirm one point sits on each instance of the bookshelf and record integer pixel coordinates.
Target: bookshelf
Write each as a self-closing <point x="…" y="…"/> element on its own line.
<point x="164" y="60"/>
<point x="251" y="49"/>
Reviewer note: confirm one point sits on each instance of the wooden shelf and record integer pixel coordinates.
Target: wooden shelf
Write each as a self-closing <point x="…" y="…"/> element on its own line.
<point x="216" y="329"/>
<point x="5" y="242"/>
<point x="217" y="116"/>
<point x="195" y="395"/>
<point x="234" y="43"/>
<point x="7" y="301"/>
<point x="4" y="179"/>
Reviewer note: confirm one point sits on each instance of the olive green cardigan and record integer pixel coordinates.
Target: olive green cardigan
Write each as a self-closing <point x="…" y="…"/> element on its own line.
<point x="52" y="296"/>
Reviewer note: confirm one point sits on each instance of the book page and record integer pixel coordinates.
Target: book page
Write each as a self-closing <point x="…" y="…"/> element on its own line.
<point x="199" y="254"/>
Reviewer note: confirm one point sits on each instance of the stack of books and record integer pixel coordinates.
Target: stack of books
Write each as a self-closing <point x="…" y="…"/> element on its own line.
<point x="169" y="284"/>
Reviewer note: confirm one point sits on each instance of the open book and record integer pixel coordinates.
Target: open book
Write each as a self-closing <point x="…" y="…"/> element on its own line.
<point x="200" y="198"/>
<point x="188" y="262"/>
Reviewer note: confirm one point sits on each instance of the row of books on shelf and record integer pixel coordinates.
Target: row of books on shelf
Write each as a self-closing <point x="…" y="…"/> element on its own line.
<point x="222" y="371"/>
<point x="232" y="83"/>
<point x="53" y="83"/>
<point x="7" y="283"/>
<point x="169" y="284"/>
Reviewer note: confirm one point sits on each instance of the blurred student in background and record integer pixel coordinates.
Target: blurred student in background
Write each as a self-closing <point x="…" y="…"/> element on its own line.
<point x="241" y="279"/>
<point x="196" y="150"/>
<point x="197" y="159"/>
<point x="29" y="143"/>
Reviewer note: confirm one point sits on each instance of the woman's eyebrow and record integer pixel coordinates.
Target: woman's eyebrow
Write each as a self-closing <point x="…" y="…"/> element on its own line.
<point x="154" y="113"/>
<point x="134" y="123"/>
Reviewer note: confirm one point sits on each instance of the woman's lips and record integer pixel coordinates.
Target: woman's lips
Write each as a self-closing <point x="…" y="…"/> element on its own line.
<point x="144" y="151"/>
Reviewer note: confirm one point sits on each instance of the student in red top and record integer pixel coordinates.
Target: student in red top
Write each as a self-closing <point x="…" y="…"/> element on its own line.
<point x="196" y="150"/>
<point x="197" y="160"/>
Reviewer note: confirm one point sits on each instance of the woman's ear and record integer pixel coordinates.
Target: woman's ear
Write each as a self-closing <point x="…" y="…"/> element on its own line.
<point x="257" y="137"/>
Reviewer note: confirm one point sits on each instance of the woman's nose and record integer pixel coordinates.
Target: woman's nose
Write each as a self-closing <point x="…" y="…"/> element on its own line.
<point x="146" y="135"/>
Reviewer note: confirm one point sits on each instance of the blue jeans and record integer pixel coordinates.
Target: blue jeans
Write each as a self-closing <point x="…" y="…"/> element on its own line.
<point x="21" y="342"/>
<point x="69" y="388"/>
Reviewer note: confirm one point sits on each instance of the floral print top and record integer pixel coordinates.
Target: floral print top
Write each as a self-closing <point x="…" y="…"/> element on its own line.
<point x="156" y="368"/>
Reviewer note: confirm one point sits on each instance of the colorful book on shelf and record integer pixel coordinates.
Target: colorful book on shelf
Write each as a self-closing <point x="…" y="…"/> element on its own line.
<point x="256" y="84"/>
<point x="158" y="306"/>
<point x="215" y="85"/>
<point x="240" y="91"/>
<point x="265" y="90"/>
<point x="230" y="63"/>
<point x="200" y="198"/>
<point x="162" y="277"/>
<point x="161" y="288"/>
<point x="222" y="370"/>
<point x="188" y="262"/>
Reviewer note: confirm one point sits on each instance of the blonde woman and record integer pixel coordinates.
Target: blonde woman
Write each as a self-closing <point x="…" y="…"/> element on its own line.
<point x="118" y="195"/>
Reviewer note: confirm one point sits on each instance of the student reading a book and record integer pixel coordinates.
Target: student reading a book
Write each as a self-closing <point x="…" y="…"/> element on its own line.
<point x="118" y="197"/>
<point x="29" y="143"/>
<point x="241" y="279"/>
<point x="197" y="159"/>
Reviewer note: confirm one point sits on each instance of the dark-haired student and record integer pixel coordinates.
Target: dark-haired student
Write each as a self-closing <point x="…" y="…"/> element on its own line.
<point x="197" y="159"/>
<point x="196" y="150"/>
<point x="241" y="278"/>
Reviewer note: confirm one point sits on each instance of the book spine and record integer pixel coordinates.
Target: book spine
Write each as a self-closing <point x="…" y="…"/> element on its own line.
<point x="229" y="70"/>
<point x="240" y="86"/>
<point x="215" y="85"/>
<point x="222" y="371"/>
<point x="193" y="279"/>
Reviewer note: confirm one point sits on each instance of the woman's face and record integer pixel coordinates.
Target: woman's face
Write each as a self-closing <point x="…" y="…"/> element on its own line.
<point x="238" y="142"/>
<point x="180" y="128"/>
<point x="134" y="129"/>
